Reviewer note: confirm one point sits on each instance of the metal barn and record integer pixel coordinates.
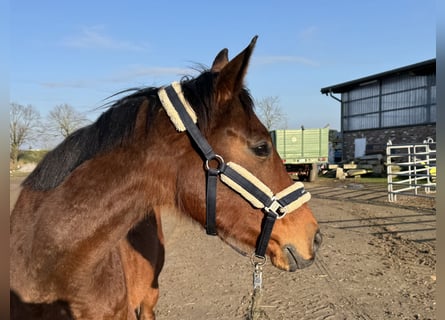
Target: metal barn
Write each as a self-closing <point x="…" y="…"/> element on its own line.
<point x="397" y="105"/>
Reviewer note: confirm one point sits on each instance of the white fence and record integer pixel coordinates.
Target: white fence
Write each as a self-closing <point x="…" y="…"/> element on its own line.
<point x="411" y="169"/>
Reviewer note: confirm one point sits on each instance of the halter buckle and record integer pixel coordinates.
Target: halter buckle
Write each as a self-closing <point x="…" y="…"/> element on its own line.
<point x="276" y="208"/>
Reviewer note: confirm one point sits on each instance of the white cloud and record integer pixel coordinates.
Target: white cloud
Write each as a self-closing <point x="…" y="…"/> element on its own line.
<point x="136" y="72"/>
<point x="286" y="59"/>
<point x="126" y="77"/>
<point x="308" y="33"/>
<point x="66" y="84"/>
<point x="95" y="37"/>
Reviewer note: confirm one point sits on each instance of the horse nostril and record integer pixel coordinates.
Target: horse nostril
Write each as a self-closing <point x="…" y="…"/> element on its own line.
<point x="318" y="238"/>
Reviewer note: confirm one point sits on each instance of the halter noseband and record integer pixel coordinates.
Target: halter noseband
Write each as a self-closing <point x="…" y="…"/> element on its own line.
<point x="233" y="175"/>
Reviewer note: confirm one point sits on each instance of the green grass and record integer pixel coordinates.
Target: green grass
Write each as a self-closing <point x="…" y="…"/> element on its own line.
<point x="369" y="179"/>
<point x="31" y="156"/>
<point x="26" y="157"/>
<point x="377" y="180"/>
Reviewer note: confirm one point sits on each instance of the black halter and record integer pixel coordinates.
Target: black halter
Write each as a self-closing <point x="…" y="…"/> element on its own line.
<point x="232" y="174"/>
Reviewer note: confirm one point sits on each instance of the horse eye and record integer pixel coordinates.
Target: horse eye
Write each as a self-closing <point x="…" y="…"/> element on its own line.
<point x="261" y="150"/>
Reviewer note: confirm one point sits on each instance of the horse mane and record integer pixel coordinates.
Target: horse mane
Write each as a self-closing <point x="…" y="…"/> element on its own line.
<point x="115" y="126"/>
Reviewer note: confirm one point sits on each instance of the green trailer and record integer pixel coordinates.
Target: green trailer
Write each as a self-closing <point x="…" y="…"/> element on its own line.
<point x="302" y="150"/>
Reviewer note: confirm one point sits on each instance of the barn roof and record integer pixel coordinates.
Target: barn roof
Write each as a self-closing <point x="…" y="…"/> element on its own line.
<point x="421" y="68"/>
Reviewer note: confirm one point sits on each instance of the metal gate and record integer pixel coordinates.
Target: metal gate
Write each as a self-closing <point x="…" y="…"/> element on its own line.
<point x="411" y="169"/>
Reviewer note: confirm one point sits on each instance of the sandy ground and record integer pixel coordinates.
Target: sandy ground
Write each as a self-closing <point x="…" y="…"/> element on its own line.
<point x="377" y="261"/>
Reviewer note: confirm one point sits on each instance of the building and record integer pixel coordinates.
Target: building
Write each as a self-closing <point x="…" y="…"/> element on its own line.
<point x="397" y="105"/>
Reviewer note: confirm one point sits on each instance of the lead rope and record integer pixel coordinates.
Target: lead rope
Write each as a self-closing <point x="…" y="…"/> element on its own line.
<point x="255" y="312"/>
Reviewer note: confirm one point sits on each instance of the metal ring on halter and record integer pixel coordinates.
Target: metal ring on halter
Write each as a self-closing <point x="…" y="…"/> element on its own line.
<point x="258" y="260"/>
<point x="218" y="159"/>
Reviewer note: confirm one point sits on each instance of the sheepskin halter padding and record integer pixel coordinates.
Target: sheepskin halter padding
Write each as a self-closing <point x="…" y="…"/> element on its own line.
<point x="171" y="110"/>
<point x="259" y="195"/>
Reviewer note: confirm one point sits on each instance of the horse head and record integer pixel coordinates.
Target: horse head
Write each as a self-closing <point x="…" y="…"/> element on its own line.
<point x="235" y="133"/>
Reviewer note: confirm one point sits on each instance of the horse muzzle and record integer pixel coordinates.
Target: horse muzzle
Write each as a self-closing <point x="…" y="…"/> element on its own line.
<point x="294" y="258"/>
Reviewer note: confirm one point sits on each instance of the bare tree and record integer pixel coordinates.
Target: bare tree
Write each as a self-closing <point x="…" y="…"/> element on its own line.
<point x="270" y="113"/>
<point x="23" y="124"/>
<point x="64" y="120"/>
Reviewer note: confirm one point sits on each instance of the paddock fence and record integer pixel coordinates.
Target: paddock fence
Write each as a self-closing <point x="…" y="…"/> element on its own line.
<point x="411" y="169"/>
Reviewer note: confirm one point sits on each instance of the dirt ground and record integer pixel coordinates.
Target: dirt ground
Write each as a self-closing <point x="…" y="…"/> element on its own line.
<point x="377" y="261"/>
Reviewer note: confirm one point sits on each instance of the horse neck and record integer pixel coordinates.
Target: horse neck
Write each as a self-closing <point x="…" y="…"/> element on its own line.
<point x="104" y="198"/>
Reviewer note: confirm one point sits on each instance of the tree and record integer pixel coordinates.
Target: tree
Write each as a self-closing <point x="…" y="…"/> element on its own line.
<point x="270" y="113"/>
<point x="64" y="120"/>
<point x="23" y="124"/>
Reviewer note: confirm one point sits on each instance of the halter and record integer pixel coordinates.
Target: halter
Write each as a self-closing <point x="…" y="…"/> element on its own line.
<point x="233" y="175"/>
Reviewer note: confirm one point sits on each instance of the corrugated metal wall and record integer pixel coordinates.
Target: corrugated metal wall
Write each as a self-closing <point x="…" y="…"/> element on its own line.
<point x="397" y="101"/>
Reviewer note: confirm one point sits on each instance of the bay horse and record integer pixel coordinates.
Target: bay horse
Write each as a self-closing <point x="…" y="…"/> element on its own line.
<point x="86" y="238"/>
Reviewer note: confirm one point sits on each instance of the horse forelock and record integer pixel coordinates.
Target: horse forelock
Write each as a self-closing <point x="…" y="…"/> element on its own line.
<point x="115" y="125"/>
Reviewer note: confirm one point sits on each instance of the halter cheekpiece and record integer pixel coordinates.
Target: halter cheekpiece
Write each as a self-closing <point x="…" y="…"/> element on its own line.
<point x="233" y="175"/>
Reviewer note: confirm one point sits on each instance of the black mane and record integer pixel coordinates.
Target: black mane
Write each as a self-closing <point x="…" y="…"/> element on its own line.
<point x="115" y="127"/>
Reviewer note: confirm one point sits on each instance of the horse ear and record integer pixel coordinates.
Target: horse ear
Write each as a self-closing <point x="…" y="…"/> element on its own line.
<point x="220" y="61"/>
<point x="231" y="76"/>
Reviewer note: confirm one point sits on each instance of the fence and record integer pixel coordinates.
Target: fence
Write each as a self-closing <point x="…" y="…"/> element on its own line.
<point x="411" y="169"/>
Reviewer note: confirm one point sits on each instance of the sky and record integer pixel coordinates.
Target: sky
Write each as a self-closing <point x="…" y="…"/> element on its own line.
<point x="81" y="52"/>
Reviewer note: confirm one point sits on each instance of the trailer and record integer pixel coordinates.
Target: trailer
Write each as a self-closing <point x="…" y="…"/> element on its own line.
<point x="303" y="151"/>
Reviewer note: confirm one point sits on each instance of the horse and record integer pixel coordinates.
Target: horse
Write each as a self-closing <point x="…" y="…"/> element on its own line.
<point x="86" y="238"/>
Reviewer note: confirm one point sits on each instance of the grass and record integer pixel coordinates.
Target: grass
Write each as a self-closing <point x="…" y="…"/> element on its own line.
<point x="31" y="156"/>
<point x="369" y="179"/>
<point x="26" y="157"/>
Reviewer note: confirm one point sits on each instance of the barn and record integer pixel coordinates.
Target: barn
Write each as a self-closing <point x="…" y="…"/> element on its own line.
<point x="397" y="105"/>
